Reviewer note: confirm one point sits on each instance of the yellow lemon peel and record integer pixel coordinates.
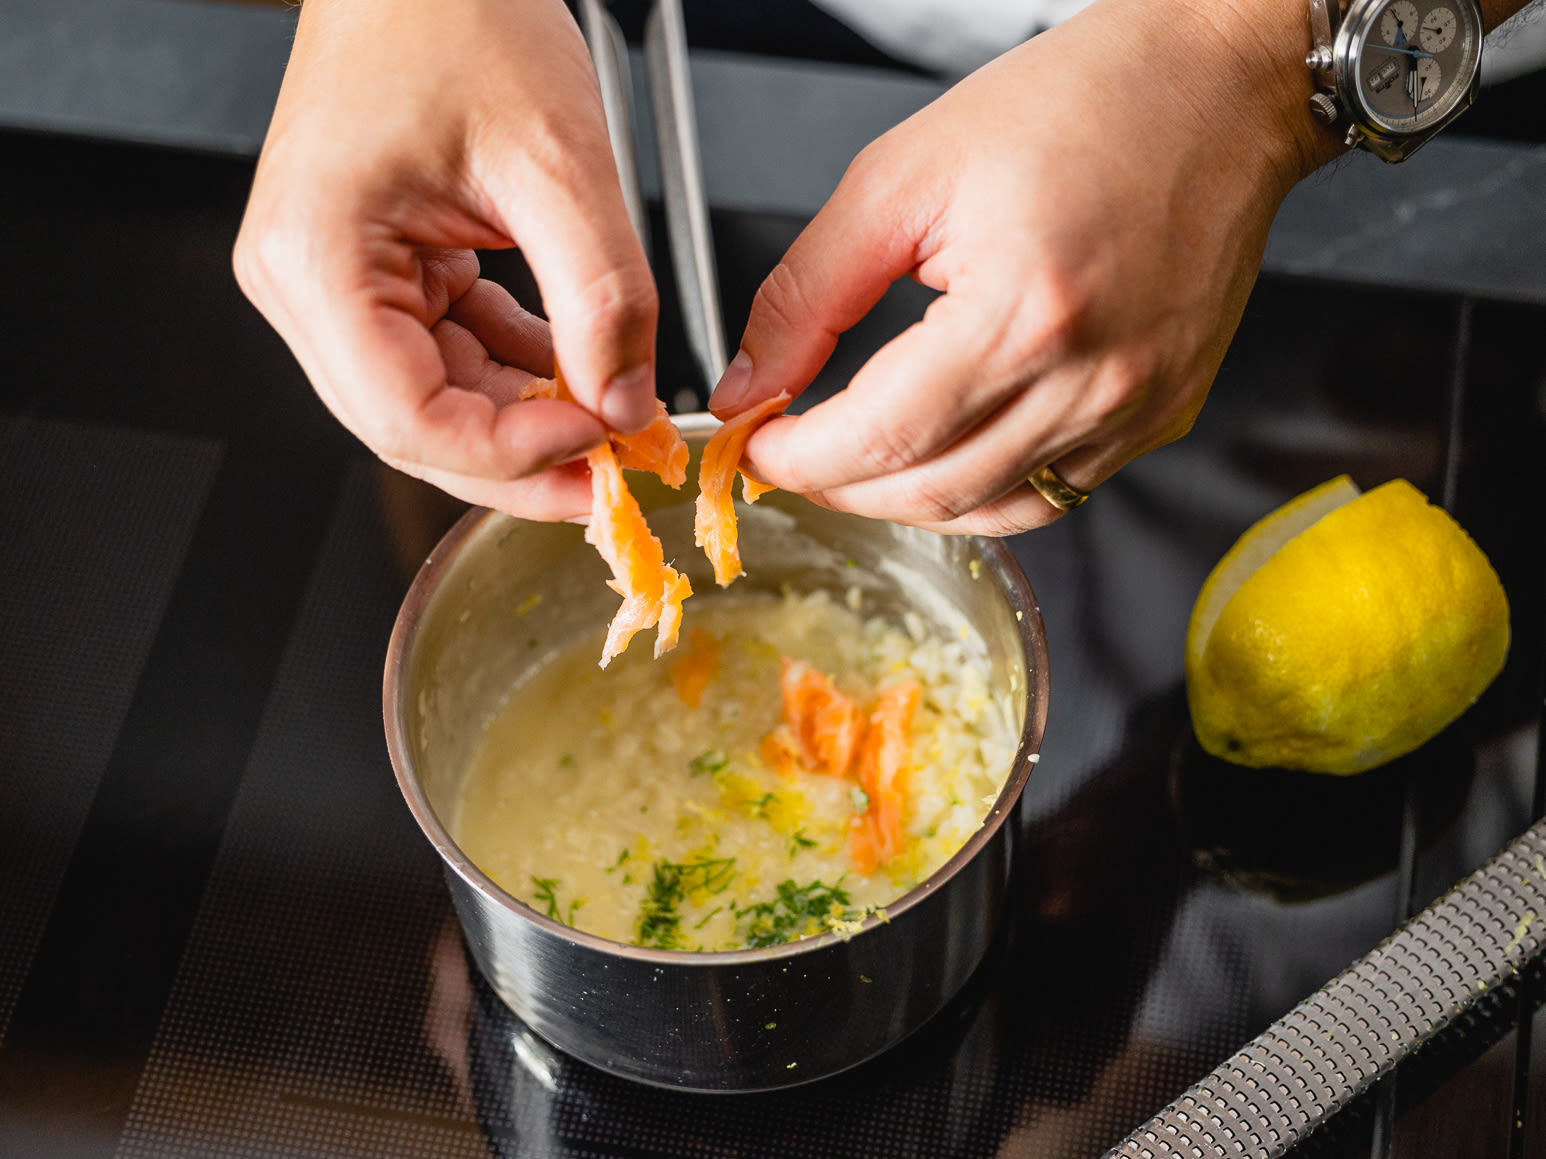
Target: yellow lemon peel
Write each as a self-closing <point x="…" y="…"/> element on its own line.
<point x="1342" y="631"/>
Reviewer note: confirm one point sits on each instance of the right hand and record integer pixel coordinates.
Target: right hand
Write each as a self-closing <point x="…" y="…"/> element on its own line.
<point x="406" y="135"/>
<point x="1094" y="236"/>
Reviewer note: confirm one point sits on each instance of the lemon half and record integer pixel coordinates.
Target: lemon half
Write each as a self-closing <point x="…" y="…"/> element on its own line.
<point x="1342" y="631"/>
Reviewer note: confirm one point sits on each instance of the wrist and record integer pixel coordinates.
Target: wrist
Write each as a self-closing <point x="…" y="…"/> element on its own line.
<point x="1268" y="40"/>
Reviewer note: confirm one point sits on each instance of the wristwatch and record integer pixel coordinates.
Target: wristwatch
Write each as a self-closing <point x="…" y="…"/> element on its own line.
<point x="1394" y="72"/>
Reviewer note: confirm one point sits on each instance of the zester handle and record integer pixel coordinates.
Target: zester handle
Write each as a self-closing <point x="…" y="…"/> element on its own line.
<point x="1336" y="1043"/>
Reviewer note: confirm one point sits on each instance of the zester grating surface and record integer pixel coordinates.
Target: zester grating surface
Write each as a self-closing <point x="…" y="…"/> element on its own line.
<point x="1334" y="1045"/>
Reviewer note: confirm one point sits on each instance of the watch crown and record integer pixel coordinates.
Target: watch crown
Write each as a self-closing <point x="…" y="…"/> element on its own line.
<point x="1323" y="107"/>
<point x="1318" y="59"/>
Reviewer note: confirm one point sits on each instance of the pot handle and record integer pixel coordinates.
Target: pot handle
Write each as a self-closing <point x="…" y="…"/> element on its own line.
<point x="668" y="82"/>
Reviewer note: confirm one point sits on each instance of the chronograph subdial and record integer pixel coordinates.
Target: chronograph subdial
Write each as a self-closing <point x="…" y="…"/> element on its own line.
<point x="1437" y="30"/>
<point x="1422" y="83"/>
<point x="1399" y="24"/>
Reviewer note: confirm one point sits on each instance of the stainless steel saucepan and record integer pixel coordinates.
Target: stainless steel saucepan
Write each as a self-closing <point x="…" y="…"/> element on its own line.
<point x="500" y="595"/>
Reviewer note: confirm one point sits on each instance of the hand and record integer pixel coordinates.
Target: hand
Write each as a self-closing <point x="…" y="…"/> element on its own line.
<point x="1094" y="206"/>
<point x="406" y="135"/>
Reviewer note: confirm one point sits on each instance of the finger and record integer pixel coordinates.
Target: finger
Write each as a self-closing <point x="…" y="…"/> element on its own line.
<point x="567" y="214"/>
<point x="412" y="414"/>
<point x="508" y="332"/>
<point x="1004" y="506"/>
<point x="1022" y="509"/>
<point x="863" y="239"/>
<point x="469" y="366"/>
<point x="975" y="353"/>
<point x="978" y="468"/>
<point x="558" y="493"/>
<point x="1087" y="467"/>
<point x="466" y="360"/>
<point x="355" y="303"/>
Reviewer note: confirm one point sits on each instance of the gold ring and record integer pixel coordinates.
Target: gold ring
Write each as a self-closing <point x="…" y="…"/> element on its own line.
<point x="1055" y="490"/>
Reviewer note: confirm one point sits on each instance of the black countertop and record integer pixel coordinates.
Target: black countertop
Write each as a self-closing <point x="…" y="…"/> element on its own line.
<point x="220" y="932"/>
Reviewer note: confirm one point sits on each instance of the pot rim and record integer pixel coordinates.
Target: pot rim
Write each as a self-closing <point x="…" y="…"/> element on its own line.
<point x="1033" y="642"/>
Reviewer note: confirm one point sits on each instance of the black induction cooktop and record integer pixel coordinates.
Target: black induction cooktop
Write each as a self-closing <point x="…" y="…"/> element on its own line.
<point x="221" y="933"/>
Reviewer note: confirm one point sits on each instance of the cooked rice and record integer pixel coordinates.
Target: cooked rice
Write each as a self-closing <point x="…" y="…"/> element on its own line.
<point x="586" y="780"/>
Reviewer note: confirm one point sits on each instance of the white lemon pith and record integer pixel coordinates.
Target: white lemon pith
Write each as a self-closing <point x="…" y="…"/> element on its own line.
<point x="1342" y="631"/>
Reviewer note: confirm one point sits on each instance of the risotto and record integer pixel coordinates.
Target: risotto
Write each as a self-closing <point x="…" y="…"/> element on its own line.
<point x="794" y="768"/>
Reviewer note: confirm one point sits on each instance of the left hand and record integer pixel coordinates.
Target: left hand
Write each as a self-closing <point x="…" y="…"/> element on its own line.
<point x="1094" y="205"/>
<point x="406" y="136"/>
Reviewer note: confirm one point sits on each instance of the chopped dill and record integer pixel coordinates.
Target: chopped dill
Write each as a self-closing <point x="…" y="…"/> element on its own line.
<point x="859" y="799"/>
<point x="547" y="894"/>
<point x="797" y="912"/>
<point x="709" y="762"/>
<point x="566" y="761"/>
<point x="800" y="841"/>
<point x="758" y="807"/>
<point x="705" y="919"/>
<point x="660" y="919"/>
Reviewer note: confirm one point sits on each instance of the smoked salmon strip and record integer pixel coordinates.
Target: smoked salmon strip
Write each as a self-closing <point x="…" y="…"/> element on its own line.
<point x="823" y="731"/>
<point x="693" y="670"/>
<point x="659" y="448"/>
<point x="751" y="490"/>
<point x="826" y="724"/>
<point x="876" y="834"/>
<point x="714" y="524"/>
<point x="652" y="591"/>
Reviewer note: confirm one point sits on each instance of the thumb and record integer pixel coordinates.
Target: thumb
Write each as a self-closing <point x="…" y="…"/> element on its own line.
<point x="837" y="269"/>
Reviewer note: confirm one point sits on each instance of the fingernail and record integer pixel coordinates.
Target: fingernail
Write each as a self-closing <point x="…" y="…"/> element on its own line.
<point x="628" y="403"/>
<point x="732" y="384"/>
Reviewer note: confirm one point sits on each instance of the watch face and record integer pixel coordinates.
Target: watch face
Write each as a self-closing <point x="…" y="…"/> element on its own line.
<point x="1408" y="64"/>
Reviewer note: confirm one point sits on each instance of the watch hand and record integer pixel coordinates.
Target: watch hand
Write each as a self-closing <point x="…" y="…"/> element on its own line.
<point x="1403" y="51"/>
